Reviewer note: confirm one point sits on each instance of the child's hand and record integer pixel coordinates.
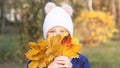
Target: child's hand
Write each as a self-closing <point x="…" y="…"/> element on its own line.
<point x="61" y="62"/>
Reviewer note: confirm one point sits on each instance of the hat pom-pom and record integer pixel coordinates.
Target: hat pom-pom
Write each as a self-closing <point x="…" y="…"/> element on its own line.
<point x="68" y="9"/>
<point x="49" y="6"/>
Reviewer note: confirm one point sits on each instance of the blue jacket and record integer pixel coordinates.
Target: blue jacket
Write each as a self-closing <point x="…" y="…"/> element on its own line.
<point x="81" y="62"/>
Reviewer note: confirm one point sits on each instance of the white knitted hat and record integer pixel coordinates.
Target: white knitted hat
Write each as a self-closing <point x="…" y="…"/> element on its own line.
<point x="57" y="16"/>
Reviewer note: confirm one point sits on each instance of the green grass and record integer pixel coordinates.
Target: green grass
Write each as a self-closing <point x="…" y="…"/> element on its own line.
<point x="10" y="48"/>
<point x="12" y="65"/>
<point x="106" y="55"/>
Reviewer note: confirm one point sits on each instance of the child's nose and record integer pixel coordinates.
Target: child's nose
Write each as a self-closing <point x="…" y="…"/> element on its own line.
<point x="58" y="32"/>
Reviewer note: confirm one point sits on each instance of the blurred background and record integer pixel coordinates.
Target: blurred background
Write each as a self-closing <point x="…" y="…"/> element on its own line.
<point x="96" y="23"/>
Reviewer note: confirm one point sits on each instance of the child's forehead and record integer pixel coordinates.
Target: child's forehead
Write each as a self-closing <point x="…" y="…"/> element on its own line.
<point x="58" y="27"/>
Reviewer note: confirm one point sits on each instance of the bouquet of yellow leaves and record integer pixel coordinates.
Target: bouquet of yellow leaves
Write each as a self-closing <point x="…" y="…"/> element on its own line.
<point x="43" y="52"/>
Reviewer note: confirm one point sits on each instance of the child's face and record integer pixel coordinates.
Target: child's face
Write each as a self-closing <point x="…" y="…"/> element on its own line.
<point x="57" y="30"/>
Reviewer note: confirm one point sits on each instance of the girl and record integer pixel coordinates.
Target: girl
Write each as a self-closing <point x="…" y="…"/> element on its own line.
<point x="58" y="21"/>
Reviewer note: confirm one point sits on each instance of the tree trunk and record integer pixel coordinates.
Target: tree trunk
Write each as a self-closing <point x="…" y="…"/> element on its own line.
<point x="113" y="8"/>
<point x="2" y="22"/>
<point x="90" y="4"/>
<point x="118" y="17"/>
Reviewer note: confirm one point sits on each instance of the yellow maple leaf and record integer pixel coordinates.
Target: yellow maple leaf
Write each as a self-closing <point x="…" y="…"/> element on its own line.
<point x="43" y="52"/>
<point x="74" y="49"/>
<point x="37" y="53"/>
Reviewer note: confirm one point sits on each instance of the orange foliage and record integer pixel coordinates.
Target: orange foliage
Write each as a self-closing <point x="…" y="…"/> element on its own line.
<point x="95" y="26"/>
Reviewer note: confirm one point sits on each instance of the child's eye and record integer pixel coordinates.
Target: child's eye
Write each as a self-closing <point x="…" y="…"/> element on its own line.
<point x="51" y="31"/>
<point x="62" y="31"/>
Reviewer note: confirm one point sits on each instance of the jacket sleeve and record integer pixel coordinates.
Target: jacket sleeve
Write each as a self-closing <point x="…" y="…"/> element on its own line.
<point x="81" y="62"/>
<point x="86" y="63"/>
<point x="29" y="63"/>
